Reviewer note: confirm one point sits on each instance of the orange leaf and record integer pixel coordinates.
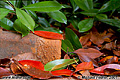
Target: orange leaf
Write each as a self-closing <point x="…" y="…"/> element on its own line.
<point x="62" y="72"/>
<point x="91" y="52"/>
<point x="84" y="66"/>
<point x="36" y="64"/>
<point x="100" y="70"/>
<point x="109" y="57"/>
<point x="48" y="34"/>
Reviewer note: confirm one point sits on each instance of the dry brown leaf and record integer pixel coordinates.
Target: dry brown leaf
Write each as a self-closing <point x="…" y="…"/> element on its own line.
<point x="91" y="52"/>
<point x="116" y="52"/>
<point x="84" y="39"/>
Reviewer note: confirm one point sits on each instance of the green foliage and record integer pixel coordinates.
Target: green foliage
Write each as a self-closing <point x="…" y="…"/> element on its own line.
<point x="67" y="46"/>
<point x="44" y="6"/>
<point x="3" y="12"/>
<point x="18" y="26"/>
<point x="25" y="19"/>
<point x="73" y="38"/>
<point x="58" y="64"/>
<point x="85" y="25"/>
<point x="85" y="4"/>
<point x="59" y="16"/>
<point x="6" y="24"/>
<point x="112" y="22"/>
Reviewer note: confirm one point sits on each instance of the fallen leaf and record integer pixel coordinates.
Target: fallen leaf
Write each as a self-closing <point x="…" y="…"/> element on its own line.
<point x="84" y="39"/>
<point x="47" y="34"/>
<point x="91" y="52"/>
<point x="109" y="59"/>
<point x="116" y="52"/>
<point x="84" y="66"/>
<point x="62" y="72"/>
<point x="4" y="72"/>
<point x="34" y="71"/>
<point x="109" y="46"/>
<point x="100" y="70"/>
<point x="99" y="38"/>
<point x="66" y="56"/>
<point x="16" y="69"/>
<point x="85" y="73"/>
<point x="109" y="71"/>
<point x="85" y="58"/>
<point x="36" y="64"/>
<point x="4" y="62"/>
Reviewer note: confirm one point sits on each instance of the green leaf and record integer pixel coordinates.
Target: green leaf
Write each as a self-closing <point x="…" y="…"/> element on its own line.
<point x="59" y="16"/>
<point x="112" y="22"/>
<point x="58" y="64"/>
<point x="18" y="26"/>
<point x="91" y="12"/>
<point x="73" y="38"/>
<point x="51" y="29"/>
<point x="85" y="4"/>
<point x="75" y="7"/>
<point x="25" y="19"/>
<point x="101" y="16"/>
<point x="74" y="22"/>
<point x="85" y="25"/>
<point x="43" y="22"/>
<point x="6" y="24"/>
<point x="44" y="6"/>
<point x="67" y="46"/>
<point x="3" y="12"/>
<point x="110" y="5"/>
<point x="32" y="14"/>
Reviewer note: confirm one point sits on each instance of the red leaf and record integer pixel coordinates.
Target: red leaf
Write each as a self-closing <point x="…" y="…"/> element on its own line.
<point x="62" y="72"/>
<point x="34" y="71"/>
<point x="91" y="52"/>
<point x="84" y="66"/>
<point x="36" y="64"/>
<point x="4" y="72"/>
<point x="100" y="70"/>
<point x="48" y="34"/>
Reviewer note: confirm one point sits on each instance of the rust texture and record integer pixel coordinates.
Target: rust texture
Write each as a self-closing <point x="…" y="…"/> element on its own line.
<point x="45" y="49"/>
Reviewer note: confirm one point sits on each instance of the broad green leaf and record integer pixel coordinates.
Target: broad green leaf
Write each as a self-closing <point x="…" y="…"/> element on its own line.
<point x="85" y="25"/>
<point x="51" y="29"/>
<point x="85" y="4"/>
<point x="101" y="16"/>
<point x="75" y="7"/>
<point x="25" y="19"/>
<point x="58" y="64"/>
<point x="43" y="22"/>
<point x="32" y="14"/>
<point x="73" y="38"/>
<point x="91" y="12"/>
<point x="44" y="6"/>
<point x="59" y="16"/>
<point x="3" y="12"/>
<point x="110" y="5"/>
<point x="67" y="46"/>
<point x="6" y="24"/>
<point x="112" y="22"/>
<point x="18" y="26"/>
<point x="3" y="4"/>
